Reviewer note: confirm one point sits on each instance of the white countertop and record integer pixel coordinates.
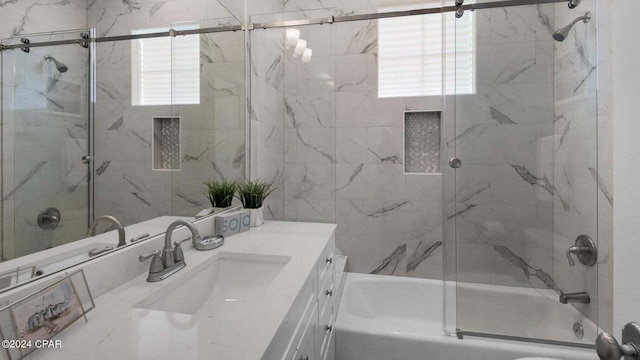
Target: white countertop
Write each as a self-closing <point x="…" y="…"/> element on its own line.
<point x="117" y="330"/>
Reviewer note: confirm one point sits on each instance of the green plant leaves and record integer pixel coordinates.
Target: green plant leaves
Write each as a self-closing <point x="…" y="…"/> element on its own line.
<point x="253" y="193"/>
<point x="220" y="193"/>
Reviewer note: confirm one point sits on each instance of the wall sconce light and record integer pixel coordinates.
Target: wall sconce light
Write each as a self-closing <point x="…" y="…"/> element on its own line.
<point x="293" y="35"/>
<point x="300" y="47"/>
<point x="306" y="56"/>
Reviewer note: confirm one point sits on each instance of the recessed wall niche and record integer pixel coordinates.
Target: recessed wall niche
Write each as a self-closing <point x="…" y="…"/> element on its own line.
<point x="422" y="134"/>
<point x="166" y="143"/>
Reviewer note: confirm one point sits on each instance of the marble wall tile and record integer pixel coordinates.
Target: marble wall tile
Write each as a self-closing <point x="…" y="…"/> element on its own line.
<point x="306" y="5"/>
<point x="521" y="23"/>
<point x="113" y="84"/>
<point x="357" y="73"/>
<point x="352" y="145"/>
<point x="23" y="17"/>
<point x="310" y="110"/>
<point x="315" y="210"/>
<point x="384" y="146"/>
<point x="309" y="180"/>
<point x="358" y="37"/>
<point x="354" y="181"/>
<point x="364" y="109"/>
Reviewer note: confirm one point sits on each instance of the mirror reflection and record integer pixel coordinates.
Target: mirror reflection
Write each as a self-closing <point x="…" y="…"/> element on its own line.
<point x="105" y="142"/>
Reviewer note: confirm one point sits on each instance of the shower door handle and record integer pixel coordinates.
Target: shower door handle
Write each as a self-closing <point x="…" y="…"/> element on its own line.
<point x="608" y="347"/>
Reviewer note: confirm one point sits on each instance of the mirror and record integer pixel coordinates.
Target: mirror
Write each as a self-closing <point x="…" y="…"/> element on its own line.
<point x="130" y="128"/>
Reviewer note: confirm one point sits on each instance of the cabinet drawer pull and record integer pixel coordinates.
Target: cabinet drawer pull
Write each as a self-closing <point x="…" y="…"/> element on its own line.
<point x="329" y="293"/>
<point x="330" y="260"/>
<point x="304" y="357"/>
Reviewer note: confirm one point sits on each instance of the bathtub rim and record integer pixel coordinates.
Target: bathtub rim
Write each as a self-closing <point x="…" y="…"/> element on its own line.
<point x="357" y="326"/>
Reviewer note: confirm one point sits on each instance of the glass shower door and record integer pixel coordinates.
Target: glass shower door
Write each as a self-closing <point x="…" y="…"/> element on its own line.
<point x="46" y="108"/>
<point x="524" y="133"/>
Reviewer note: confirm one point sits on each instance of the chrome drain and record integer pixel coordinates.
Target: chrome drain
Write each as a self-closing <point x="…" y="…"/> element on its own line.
<point x="578" y="330"/>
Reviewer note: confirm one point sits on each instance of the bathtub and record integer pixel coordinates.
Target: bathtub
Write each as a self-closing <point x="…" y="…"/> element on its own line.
<point x="389" y="318"/>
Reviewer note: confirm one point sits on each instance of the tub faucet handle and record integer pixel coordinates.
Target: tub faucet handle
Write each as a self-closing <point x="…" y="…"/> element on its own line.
<point x="585" y="250"/>
<point x="608" y="347"/>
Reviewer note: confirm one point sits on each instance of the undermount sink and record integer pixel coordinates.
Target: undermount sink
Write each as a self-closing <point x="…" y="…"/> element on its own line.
<point x="229" y="279"/>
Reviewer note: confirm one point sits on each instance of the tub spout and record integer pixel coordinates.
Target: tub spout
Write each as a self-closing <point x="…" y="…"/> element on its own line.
<point x="577" y="297"/>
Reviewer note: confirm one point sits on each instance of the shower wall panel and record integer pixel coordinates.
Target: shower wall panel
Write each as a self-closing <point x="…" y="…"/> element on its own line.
<point x="342" y="148"/>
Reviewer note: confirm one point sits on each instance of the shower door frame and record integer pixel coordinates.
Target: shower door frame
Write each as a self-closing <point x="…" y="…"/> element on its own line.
<point x="451" y="208"/>
<point x="84" y="40"/>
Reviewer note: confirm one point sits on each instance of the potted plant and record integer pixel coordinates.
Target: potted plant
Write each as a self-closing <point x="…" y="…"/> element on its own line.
<point x="220" y="193"/>
<point x="252" y="195"/>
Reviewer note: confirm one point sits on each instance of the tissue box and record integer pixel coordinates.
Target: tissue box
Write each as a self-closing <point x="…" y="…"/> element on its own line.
<point x="233" y="223"/>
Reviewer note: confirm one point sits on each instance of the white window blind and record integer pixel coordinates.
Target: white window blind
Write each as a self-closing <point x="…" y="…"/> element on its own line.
<point x="166" y="70"/>
<point x="410" y="55"/>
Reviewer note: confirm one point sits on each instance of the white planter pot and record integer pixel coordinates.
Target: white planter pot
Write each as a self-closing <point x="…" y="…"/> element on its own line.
<point x="257" y="218"/>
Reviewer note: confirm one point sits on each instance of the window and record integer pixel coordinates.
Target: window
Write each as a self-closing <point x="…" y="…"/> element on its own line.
<point x="165" y="70"/>
<point x="410" y="51"/>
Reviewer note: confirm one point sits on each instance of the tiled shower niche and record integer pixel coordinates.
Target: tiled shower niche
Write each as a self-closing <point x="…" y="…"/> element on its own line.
<point x="422" y="134"/>
<point x="166" y="143"/>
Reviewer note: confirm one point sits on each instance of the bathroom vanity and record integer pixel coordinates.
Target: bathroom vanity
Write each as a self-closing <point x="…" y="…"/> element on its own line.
<point x="266" y="294"/>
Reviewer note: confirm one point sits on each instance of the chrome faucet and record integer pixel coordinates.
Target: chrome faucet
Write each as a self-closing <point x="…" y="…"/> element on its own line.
<point x="577" y="297"/>
<point x="121" y="236"/>
<point x="171" y="259"/>
<point x="168" y="257"/>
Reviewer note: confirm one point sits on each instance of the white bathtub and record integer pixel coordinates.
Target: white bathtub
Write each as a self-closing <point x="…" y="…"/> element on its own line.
<point x="388" y="318"/>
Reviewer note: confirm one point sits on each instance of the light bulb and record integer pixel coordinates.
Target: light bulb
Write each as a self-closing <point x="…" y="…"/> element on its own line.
<point x="293" y="35"/>
<point x="306" y="56"/>
<point x="300" y="47"/>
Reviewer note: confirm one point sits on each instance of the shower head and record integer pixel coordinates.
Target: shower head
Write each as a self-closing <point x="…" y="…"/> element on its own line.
<point x="574" y="3"/>
<point x="562" y="34"/>
<point x="60" y="66"/>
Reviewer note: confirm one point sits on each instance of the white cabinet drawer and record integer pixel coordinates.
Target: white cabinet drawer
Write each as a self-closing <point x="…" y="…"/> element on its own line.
<point x="325" y="333"/>
<point x="326" y="295"/>
<point x="330" y="350"/>
<point x="326" y="262"/>
<point x="310" y="315"/>
<point x="306" y="349"/>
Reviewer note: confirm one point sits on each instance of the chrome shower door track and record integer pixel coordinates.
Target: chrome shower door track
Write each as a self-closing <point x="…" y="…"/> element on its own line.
<point x="288" y="23"/>
<point x="393" y="14"/>
<point x="461" y="334"/>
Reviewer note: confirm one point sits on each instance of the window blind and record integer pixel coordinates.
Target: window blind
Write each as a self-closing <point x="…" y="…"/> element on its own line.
<point x="410" y="55"/>
<point x="166" y="70"/>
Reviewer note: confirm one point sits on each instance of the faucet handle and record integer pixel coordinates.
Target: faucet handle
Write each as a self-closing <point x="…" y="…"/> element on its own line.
<point x="147" y="256"/>
<point x="570" y="251"/>
<point x="585" y="250"/>
<point x="178" y="243"/>
<point x="178" y="254"/>
<point x="156" y="261"/>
